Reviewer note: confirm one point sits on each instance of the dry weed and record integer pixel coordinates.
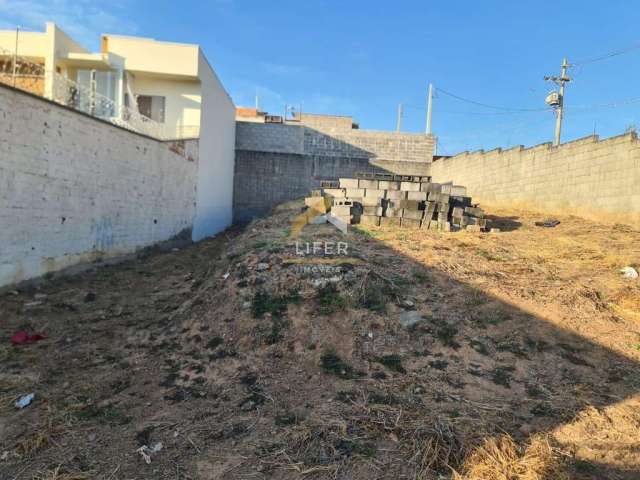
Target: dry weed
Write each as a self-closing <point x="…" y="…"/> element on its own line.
<point x="59" y="473"/>
<point x="32" y="444"/>
<point x="500" y="458"/>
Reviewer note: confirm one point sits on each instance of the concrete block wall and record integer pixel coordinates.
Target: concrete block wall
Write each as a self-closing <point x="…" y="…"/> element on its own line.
<point x="389" y="146"/>
<point x="269" y="137"/>
<point x="276" y="163"/>
<point x="74" y="189"/>
<point x="325" y="122"/>
<point x="353" y="143"/>
<point x="598" y="179"/>
<point x="263" y="179"/>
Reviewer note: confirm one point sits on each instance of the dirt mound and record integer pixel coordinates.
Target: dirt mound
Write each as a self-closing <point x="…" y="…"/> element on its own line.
<point x="401" y="354"/>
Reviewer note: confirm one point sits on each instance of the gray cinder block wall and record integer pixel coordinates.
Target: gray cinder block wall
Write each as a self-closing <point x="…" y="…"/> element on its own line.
<point x="74" y="189"/>
<point x="280" y="162"/>
<point x="592" y="178"/>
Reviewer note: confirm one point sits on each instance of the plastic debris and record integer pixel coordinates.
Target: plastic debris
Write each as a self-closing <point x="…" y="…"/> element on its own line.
<point x="25" y="400"/>
<point x="146" y="451"/>
<point x="629" y="272"/>
<point x="549" y="223"/>
<point x="226" y="275"/>
<point x="21" y="337"/>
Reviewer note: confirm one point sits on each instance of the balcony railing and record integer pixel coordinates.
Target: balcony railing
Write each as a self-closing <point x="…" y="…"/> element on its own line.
<point x="30" y="76"/>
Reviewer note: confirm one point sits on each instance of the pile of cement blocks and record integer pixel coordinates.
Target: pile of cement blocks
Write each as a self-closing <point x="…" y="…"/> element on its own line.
<point x="414" y="203"/>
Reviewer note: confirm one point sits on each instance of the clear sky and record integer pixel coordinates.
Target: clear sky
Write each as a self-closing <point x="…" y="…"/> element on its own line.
<point x="363" y="58"/>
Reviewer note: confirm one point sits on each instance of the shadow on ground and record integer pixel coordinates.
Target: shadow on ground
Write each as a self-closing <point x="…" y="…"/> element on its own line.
<point x="243" y="364"/>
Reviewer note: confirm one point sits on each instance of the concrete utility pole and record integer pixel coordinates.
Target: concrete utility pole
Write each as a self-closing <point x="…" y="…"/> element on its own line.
<point x="429" y="105"/>
<point x="560" y="81"/>
<point x="15" y="58"/>
<point x="399" y="122"/>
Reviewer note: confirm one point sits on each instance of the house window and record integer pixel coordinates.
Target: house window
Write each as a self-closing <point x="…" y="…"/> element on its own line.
<point x="152" y="106"/>
<point x="103" y="83"/>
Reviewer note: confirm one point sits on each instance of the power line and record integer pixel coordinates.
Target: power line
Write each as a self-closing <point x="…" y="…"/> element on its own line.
<point x="614" y="104"/>
<point x="605" y="56"/>
<point x="458" y="112"/>
<point x="507" y="109"/>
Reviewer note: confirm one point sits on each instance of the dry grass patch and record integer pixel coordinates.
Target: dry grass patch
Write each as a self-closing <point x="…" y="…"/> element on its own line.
<point x="500" y="458"/>
<point x="59" y="473"/>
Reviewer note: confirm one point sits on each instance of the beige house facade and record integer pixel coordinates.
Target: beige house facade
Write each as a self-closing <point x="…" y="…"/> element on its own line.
<point x="167" y="91"/>
<point x="162" y="81"/>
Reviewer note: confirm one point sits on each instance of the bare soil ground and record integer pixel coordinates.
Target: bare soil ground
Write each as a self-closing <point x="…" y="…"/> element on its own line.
<point x="521" y="361"/>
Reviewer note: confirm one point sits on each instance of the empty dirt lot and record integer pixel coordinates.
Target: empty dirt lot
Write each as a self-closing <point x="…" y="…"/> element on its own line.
<point x="424" y="355"/>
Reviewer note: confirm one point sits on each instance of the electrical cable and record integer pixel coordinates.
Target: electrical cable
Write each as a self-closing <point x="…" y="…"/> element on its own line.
<point x="507" y="109"/>
<point x="606" y="56"/>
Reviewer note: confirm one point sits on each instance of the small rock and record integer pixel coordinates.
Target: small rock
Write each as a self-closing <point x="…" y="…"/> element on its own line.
<point x="91" y="437"/>
<point x="31" y="305"/>
<point x="262" y="266"/>
<point x="526" y="429"/>
<point x="406" y="303"/>
<point x="629" y="272"/>
<point x="410" y="318"/>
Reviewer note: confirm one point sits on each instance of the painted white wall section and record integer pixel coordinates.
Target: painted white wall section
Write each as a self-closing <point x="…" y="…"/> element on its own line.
<point x="74" y="189"/>
<point x="217" y="155"/>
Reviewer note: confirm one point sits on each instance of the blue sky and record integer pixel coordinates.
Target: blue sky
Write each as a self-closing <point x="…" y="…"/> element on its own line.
<point x="362" y="58"/>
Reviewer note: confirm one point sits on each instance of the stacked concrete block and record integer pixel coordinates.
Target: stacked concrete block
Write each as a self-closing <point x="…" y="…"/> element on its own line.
<point x="406" y="202"/>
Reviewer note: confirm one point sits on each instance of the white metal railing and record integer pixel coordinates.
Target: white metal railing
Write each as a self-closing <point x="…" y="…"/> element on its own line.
<point x="87" y="100"/>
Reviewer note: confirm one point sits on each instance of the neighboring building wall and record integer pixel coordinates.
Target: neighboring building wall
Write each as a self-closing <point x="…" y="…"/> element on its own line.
<point x="182" y="102"/>
<point x="276" y="163"/>
<point x="33" y="85"/>
<point x="587" y="177"/>
<point x="265" y="179"/>
<point x="217" y="153"/>
<point x="413" y="151"/>
<point x="31" y="45"/>
<point x="150" y="56"/>
<point x="408" y="148"/>
<point x="325" y="122"/>
<point x="269" y="137"/>
<point x="74" y="189"/>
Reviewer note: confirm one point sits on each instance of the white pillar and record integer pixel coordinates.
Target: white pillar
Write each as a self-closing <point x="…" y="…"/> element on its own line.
<point x="119" y="93"/>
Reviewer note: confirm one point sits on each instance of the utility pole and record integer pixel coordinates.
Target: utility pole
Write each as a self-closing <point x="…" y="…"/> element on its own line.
<point x="15" y="58"/>
<point x="429" y="105"/>
<point x="559" y="105"/>
<point x="399" y="121"/>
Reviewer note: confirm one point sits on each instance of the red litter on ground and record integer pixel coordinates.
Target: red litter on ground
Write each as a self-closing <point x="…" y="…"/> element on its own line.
<point x="21" y="337"/>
